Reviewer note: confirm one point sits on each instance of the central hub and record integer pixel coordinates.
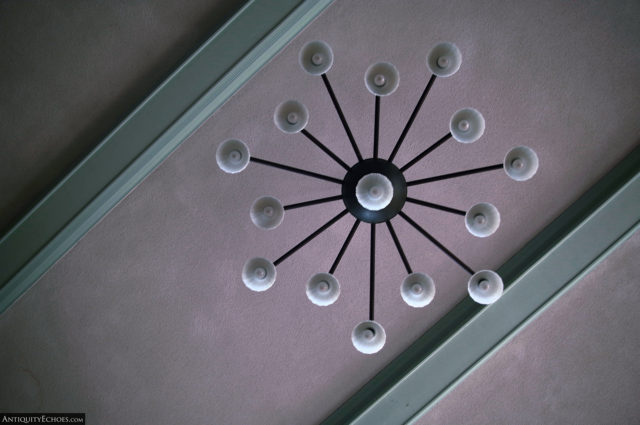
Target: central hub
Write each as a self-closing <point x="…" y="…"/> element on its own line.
<point x="374" y="190"/>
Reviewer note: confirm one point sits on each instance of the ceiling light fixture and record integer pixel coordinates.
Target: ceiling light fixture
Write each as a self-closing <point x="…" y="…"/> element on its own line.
<point x="374" y="190"/>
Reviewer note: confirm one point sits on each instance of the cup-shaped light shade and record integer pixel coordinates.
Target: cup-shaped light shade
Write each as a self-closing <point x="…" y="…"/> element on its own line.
<point x="482" y="219"/>
<point x="258" y="274"/>
<point x="521" y="163"/>
<point x="316" y="57"/>
<point x="444" y="59"/>
<point x="267" y="212"/>
<point x="368" y="337"/>
<point x="374" y="191"/>
<point x="417" y="289"/>
<point x="485" y="287"/>
<point x="323" y="289"/>
<point x="467" y="125"/>
<point x="382" y="78"/>
<point x="291" y="116"/>
<point x="232" y="156"/>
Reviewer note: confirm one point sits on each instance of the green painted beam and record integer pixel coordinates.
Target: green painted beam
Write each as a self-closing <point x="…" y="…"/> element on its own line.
<point x="537" y="275"/>
<point x="147" y="136"/>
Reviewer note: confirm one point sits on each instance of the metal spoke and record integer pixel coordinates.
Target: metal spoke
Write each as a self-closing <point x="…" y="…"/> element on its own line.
<point x="313" y="202"/>
<point x="325" y="149"/>
<point x="436" y="206"/>
<point x="426" y="152"/>
<point x="412" y="118"/>
<point x="310" y="237"/>
<point x="396" y="241"/>
<point x="436" y="243"/>
<point x="341" y="116"/>
<point x="372" y="272"/>
<point x="334" y="266"/>
<point x="295" y="170"/>
<point x="376" y="127"/>
<point x="457" y="174"/>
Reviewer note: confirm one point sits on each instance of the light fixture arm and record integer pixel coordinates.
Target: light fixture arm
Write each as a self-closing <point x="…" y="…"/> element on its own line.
<point x="325" y="149"/>
<point x="334" y="266"/>
<point x="312" y="202"/>
<point x="423" y="96"/>
<point x="372" y="272"/>
<point x="376" y="127"/>
<point x="343" y="120"/>
<point x="456" y="174"/>
<point x="396" y="241"/>
<point x="295" y="170"/>
<point x="426" y="152"/>
<point x="311" y="237"/>
<point x="436" y="243"/>
<point x="435" y="206"/>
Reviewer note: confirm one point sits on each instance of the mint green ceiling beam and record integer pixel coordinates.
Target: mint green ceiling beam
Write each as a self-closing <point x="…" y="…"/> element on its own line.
<point x="147" y="136"/>
<point x="542" y="271"/>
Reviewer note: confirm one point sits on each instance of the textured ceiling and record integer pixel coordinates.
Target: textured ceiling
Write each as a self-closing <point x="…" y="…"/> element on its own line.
<point x="576" y="364"/>
<point x="72" y="70"/>
<point x="147" y="320"/>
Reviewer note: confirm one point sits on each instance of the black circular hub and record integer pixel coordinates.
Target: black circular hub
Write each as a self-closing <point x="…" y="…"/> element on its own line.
<point x="361" y="169"/>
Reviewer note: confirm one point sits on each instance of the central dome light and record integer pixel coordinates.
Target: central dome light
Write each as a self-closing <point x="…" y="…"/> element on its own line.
<point x="374" y="191"/>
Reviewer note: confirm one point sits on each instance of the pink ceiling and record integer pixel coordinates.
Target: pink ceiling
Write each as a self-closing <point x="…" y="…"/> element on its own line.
<point x="577" y="363"/>
<point x="146" y="318"/>
<point x="71" y="71"/>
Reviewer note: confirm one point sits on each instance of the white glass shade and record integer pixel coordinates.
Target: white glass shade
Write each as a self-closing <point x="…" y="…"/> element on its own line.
<point x="444" y="59"/>
<point x="482" y="219"/>
<point x="467" y="125"/>
<point x="267" y="212"/>
<point x="521" y="163"/>
<point x="485" y="287"/>
<point x="382" y="78"/>
<point x="258" y="274"/>
<point x="374" y="191"/>
<point x="232" y="156"/>
<point x="323" y="289"/>
<point x="417" y="290"/>
<point x="368" y="337"/>
<point x="291" y="116"/>
<point x="316" y="57"/>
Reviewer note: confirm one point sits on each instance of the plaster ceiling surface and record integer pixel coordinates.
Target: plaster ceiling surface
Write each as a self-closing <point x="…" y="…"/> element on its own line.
<point x="72" y="70"/>
<point x="577" y="363"/>
<point x="146" y="319"/>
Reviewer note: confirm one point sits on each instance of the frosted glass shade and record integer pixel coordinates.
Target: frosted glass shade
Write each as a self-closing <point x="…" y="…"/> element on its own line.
<point x="444" y="59"/>
<point x="267" y="212"/>
<point x="323" y="289"/>
<point x="521" y="163"/>
<point x="417" y="290"/>
<point x="291" y="116"/>
<point x="258" y="274"/>
<point x="374" y="191"/>
<point x="485" y="287"/>
<point x="368" y="337"/>
<point x="232" y="156"/>
<point x="467" y="125"/>
<point x="482" y="219"/>
<point x="382" y="78"/>
<point x="316" y="57"/>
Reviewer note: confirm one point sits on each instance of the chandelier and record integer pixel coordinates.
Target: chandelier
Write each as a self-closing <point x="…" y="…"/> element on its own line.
<point x="374" y="190"/>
